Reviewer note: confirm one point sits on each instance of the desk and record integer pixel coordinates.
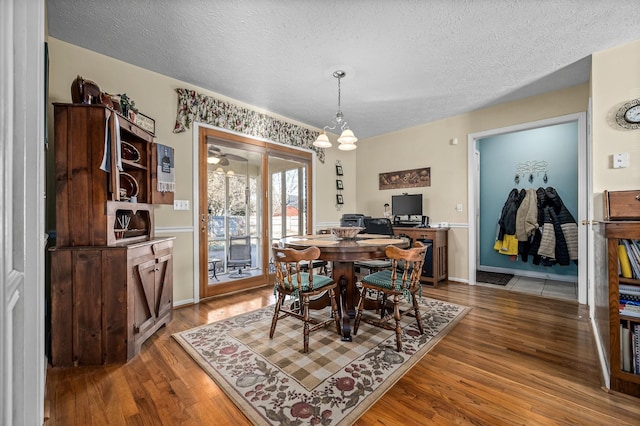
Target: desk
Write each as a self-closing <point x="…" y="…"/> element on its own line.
<point x="343" y="253"/>
<point x="439" y="236"/>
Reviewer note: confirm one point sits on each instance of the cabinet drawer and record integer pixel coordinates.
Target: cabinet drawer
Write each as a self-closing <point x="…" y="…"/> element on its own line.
<point x="621" y="205"/>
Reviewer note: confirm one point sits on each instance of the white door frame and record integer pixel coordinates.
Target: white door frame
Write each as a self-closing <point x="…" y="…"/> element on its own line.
<point x="584" y="191"/>
<point x="22" y="240"/>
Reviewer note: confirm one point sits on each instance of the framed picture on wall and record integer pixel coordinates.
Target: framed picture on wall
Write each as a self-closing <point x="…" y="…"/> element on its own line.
<point x="339" y="199"/>
<point x="339" y="185"/>
<point x="338" y="170"/>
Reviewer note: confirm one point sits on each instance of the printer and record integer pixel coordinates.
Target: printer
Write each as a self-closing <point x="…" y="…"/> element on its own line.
<point x="353" y="219"/>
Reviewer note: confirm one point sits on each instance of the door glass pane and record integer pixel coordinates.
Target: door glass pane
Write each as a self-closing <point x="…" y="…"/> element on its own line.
<point x="288" y="194"/>
<point x="233" y="206"/>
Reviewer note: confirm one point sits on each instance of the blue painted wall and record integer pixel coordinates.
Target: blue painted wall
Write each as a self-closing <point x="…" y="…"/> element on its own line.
<point x="499" y="157"/>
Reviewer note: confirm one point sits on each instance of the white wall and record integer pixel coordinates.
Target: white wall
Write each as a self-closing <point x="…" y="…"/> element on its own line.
<point x="426" y="145"/>
<point x="615" y="80"/>
<point x="155" y="96"/>
<point x="430" y="145"/>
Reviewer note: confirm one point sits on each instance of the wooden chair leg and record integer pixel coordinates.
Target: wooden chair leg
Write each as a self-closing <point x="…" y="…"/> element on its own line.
<point x="334" y="309"/>
<point x="356" y="323"/>
<point x="417" y="313"/>
<point x="276" y="314"/>
<point x="396" y="316"/>
<point x="305" y="319"/>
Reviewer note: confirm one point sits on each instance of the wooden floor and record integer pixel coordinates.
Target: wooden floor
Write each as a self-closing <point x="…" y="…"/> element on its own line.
<point x="514" y="359"/>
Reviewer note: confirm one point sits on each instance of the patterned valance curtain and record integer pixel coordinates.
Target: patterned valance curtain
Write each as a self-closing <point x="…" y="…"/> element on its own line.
<point x="194" y="106"/>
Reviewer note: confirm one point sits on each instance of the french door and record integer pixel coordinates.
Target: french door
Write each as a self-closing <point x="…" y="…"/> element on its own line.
<point x="248" y="190"/>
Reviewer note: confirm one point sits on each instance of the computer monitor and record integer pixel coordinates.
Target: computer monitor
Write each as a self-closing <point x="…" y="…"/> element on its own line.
<point x="406" y="205"/>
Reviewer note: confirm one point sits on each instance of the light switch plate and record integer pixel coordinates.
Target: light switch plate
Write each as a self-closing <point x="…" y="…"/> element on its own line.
<point x="621" y="160"/>
<point x="181" y="204"/>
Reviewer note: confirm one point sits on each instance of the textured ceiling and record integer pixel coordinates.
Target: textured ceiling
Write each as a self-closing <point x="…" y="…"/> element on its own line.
<point x="407" y="62"/>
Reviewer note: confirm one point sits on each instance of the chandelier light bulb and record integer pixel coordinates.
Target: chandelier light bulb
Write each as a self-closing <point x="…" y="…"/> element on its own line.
<point x="344" y="146"/>
<point x="347" y="137"/>
<point x="322" y="141"/>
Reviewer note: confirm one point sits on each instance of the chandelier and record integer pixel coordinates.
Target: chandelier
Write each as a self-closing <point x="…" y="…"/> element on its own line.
<point x="347" y="139"/>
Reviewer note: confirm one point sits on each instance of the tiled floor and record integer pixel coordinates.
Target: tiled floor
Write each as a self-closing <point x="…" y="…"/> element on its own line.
<point x="541" y="287"/>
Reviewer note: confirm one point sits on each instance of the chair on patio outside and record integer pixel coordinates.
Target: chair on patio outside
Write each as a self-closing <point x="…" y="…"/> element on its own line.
<point x="239" y="255"/>
<point x="394" y="283"/>
<point x="291" y="281"/>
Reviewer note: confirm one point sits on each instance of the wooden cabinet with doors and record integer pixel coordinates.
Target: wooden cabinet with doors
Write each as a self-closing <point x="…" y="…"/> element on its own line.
<point x="111" y="279"/>
<point x="619" y="321"/>
<point x="106" y="301"/>
<point x="440" y="250"/>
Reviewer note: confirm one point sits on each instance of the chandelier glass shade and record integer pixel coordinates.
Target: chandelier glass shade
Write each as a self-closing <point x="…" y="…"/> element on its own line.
<point x="322" y="141"/>
<point x="347" y="139"/>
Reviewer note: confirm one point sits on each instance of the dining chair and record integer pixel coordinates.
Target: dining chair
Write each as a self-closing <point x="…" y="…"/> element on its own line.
<point x="403" y="280"/>
<point x="380" y="226"/>
<point x="291" y="281"/>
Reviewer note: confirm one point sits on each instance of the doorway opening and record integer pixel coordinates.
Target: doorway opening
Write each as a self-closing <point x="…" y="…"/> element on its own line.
<point x="489" y="193"/>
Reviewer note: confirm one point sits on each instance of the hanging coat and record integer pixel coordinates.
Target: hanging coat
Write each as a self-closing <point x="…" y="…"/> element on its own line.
<point x="507" y="221"/>
<point x="541" y="203"/>
<point x="558" y="240"/>
<point x="527" y="216"/>
<point x="565" y="227"/>
<point x="506" y="242"/>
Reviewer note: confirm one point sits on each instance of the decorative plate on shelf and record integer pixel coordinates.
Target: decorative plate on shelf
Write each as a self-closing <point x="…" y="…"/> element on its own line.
<point x="134" y="232"/>
<point x="129" y="152"/>
<point x="128" y="183"/>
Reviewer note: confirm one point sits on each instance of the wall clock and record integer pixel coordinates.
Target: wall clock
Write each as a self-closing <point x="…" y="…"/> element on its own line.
<point x="628" y="115"/>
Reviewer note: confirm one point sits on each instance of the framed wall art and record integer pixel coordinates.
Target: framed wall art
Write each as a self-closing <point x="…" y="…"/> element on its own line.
<point x="405" y="179"/>
<point x="339" y="199"/>
<point x="339" y="170"/>
<point x="339" y="185"/>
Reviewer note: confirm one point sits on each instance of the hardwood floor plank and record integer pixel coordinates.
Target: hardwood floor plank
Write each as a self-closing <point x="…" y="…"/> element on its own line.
<point x="513" y="359"/>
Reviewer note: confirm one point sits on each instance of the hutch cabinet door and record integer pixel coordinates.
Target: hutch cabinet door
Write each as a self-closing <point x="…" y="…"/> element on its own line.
<point x="164" y="287"/>
<point x="144" y="288"/>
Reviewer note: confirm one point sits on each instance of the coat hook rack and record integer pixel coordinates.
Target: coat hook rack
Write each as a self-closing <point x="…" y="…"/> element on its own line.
<point x="527" y="169"/>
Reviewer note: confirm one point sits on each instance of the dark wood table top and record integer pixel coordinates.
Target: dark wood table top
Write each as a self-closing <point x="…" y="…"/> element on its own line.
<point x="343" y="253"/>
<point x="364" y="246"/>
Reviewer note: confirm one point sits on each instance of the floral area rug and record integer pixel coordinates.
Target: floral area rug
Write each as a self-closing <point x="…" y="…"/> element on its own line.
<point x="274" y="383"/>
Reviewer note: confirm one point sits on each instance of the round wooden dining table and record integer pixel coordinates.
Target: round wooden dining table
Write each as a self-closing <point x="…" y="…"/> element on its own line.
<point x="343" y="253"/>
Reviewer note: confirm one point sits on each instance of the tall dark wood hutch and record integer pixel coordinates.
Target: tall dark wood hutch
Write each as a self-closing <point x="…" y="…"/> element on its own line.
<point x="111" y="278"/>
